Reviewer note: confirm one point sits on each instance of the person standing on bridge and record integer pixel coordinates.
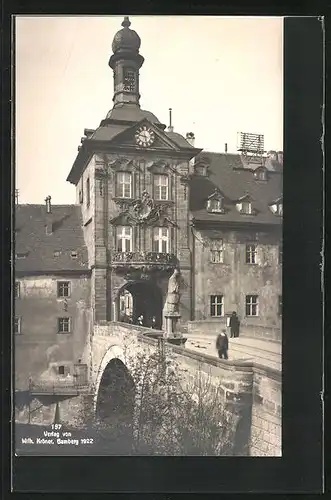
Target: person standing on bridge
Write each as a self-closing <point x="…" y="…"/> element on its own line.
<point x="222" y="345"/>
<point x="234" y="325"/>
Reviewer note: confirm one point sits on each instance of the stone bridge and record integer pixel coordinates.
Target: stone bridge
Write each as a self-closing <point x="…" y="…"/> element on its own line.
<point x="254" y="391"/>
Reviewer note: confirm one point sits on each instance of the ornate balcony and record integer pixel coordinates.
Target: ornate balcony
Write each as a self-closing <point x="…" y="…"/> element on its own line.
<point x="143" y="261"/>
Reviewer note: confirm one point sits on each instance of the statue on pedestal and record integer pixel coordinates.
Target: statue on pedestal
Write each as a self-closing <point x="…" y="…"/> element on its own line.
<point x="173" y="296"/>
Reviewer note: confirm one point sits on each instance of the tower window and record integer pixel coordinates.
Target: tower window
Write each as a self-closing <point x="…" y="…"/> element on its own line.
<point x="216" y="305"/>
<point x="124" y="238"/>
<point x="63" y="325"/>
<point x="252" y="305"/>
<point x="88" y="194"/>
<point x="129" y="80"/>
<point x="161" y="187"/>
<point x="17" y="325"/>
<point x="161" y="240"/>
<point x="124" y="185"/>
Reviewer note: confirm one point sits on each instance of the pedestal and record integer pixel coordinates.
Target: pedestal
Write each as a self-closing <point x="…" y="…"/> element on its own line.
<point x="171" y="334"/>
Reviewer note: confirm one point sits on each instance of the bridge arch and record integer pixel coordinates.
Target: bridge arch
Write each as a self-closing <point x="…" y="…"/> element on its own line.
<point x="113" y="352"/>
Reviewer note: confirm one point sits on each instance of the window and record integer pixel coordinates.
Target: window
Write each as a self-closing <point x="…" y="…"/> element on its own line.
<point x="277" y="209"/>
<point x="280" y="305"/>
<point x="124" y="185"/>
<point x="280" y="254"/>
<point x="61" y="370"/>
<point x="88" y="194"/>
<point x="124" y="238"/>
<point x="81" y="197"/>
<point x="17" y="289"/>
<point x="161" y="187"/>
<point x="261" y="175"/>
<point x="215" y="205"/>
<point x="216" y="305"/>
<point x="21" y="255"/>
<point x="129" y="80"/>
<point x="73" y="254"/>
<point x="251" y="254"/>
<point x="246" y="207"/>
<point x="252" y="305"/>
<point x="63" y="289"/>
<point x="17" y="325"/>
<point x="161" y="242"/>
<point x="63" y="325"/>
<point x="57" y="253"/>
<point x="216" y="251"/>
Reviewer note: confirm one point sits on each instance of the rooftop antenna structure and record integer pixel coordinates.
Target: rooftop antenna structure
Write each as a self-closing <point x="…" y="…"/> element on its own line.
<point x="251" y="148"/>
<point x="170" y="128"/>
<point x="17" y="192"/>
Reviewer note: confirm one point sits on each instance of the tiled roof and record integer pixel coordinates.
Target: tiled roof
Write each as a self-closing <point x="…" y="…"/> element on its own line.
<point x="131" y="113"/>
<point x="234" y="183"/>
<point x="42" y="249"/>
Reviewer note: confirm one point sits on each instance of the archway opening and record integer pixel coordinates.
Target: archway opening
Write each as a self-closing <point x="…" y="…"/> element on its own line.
<point x="140" y="303"/>
<point x="115" y="400"/>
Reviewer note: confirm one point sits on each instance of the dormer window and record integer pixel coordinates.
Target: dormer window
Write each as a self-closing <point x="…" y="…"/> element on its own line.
<point x="215" y="206"/>
<point x="21" y="255"/>
<point x="201" y="170"/>
<point x="277" y="208"/>
<point x="245" y="207"/>
<point x="129" y="80"/>
<point x="261" y="174"/>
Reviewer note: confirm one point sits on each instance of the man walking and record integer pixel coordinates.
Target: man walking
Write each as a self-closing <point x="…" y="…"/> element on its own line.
<point x="234" y="325"/>
<point x="222" y="345"/>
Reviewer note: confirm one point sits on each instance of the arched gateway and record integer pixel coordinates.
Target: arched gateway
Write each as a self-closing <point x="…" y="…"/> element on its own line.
<point x="140" y="303"/>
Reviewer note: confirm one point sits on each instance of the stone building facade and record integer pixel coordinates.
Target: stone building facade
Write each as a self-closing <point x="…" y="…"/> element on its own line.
<point x="147" y="201"/>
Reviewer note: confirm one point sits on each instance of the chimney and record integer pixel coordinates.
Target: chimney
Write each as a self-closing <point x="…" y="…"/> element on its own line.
<point x="226" y="147"/>
<point x="49" y="219"/>
<point x="190" y="137"/>
<point x="170" y="128"/>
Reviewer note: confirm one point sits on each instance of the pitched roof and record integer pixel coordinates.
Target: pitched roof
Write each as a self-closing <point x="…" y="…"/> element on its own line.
<point x="234" y="183"/>
<point x="67" y="236"/>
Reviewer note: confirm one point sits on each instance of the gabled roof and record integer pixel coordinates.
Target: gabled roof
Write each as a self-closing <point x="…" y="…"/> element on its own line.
<point x="234" y="183"/>
<point x="67" y="237"/>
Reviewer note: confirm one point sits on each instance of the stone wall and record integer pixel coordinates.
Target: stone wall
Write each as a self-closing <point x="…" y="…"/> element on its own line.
<point x="39" y="344"/>
<point x="266" y="413"/>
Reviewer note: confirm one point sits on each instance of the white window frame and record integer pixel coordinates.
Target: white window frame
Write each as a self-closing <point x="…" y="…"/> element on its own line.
<point x="18" y="319"/>
<point x="123" y="181"/>
<point x="251" y="254"/>
<point x="59" y="320"/>
<point x="88" y="192"/>
<point x="124" y="235"/>
<point x="252" y="301"/>
<point x="161" y="235"/>
<point x="159" y="185"/>
<point x="216" y="301"/>
<point x="127" y="73"/>
<point x="217" y="252"/>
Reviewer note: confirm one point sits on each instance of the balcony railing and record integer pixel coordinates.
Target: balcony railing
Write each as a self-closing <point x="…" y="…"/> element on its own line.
<point x="143" y="260"/>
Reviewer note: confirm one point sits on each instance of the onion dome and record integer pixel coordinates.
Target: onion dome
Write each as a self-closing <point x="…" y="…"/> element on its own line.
<point x="126" y="39"/>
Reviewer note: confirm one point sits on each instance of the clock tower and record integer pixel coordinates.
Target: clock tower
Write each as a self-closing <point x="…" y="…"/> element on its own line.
<point x="126" y="62"/>
<point x="132" y="180"/>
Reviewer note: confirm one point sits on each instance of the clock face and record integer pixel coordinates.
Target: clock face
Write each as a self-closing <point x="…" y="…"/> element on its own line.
<point x="144" y="136"/>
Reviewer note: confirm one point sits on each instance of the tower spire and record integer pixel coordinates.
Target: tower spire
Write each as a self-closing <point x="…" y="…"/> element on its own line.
<point x="125" y="63"/>
<point x="126" y="22"/>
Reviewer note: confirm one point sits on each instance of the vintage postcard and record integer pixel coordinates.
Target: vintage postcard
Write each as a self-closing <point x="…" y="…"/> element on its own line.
<point x="148" y="235"/>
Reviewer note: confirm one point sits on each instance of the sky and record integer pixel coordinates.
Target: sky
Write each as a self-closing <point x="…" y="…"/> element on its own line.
<point x="220" y="76"/>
